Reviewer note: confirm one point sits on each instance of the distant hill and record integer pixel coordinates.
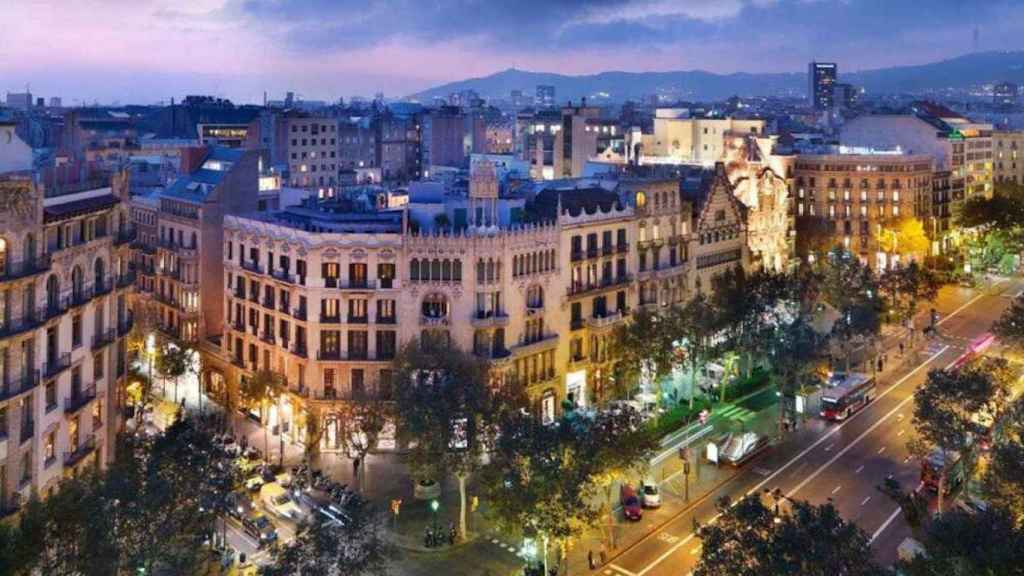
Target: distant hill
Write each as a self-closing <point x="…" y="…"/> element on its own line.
<point x="960" y="72"/>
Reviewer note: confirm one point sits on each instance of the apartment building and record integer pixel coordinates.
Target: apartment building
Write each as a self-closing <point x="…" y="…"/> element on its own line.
<point x="961" y="148"/>
<point x="1008" y="156"/>
<point x="188" y="259"/>
<point x="678" y="138"/>
<point x="859" y="195"/>
<point x="63" y="315"/>
<point x="327" y="292"/>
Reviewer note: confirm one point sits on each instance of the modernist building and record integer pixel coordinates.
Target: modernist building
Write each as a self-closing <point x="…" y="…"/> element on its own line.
<point x="328" y="291"/>
<point x="860" y="195"/>
<point x="63" y="311"/>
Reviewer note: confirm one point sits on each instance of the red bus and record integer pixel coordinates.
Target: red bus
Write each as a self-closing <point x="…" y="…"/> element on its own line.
<point x="847" y="396"/>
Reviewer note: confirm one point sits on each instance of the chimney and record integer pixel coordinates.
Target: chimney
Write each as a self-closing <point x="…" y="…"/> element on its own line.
<point x="192" y="158"/>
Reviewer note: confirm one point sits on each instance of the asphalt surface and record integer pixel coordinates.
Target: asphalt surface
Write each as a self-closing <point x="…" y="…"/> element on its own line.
<point x="842" y="462"/>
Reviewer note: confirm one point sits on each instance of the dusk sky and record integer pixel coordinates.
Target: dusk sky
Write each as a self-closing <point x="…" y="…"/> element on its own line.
<point x="143" y="51"/>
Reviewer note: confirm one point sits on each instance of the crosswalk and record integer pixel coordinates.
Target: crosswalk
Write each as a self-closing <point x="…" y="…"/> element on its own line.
<point x="734" y="412"/>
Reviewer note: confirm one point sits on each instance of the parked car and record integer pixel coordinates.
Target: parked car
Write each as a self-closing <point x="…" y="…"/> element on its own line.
<point x="260" y="528"/>
<point x="650" y="494"/>
<point x="254" y="483"/>
<point x="277" y="500"/>
<point x="239" y="505"/>
<point x="741" y="447"/>
<point x="631" y="508"/>
<point x="285" y="479"/>
<point x="318" y="501"/>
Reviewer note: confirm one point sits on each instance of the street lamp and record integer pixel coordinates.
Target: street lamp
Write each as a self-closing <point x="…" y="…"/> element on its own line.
<point x="434" y="505"/>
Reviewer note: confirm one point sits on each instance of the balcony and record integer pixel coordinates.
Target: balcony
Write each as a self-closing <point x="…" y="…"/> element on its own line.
<point x="434" y="321"/>
<point x="358" y="319"/>
<point x="103" y="338"/>
<point x="145" y="269"/>
<point x="576" y="290"/>
<point x="179" y="248"/>
<point x="14" y="386"/>
<point x="495" y="354"/>
<point x="54" y="309"/>
<point x="283" y="276"/>
<point x="576" y="324"/>
<point x="124" y="325"/>
<point x="77" y="401"/>
<point x="126" y="279"/>
<point x="299" y="314"/>
<point x="267" y="337"/>
<point x="143" y="247"/>
<point x="237" y="361"/>
<point x="23" y="324"/>
<point x="607" y="250"/>
<point x="534" y="308"/>
<point x="169" y="330"/>
<point x="328" y="355"/>
<point x="385" y="320"/>
<point x="299" y="349"/>
<point x="239" y="292"/>
<point x="331" y="282"/>
<point x="238" y="325"/>
<point x="56" y="365"/>
<point x="330" y="318"/>
<point x="252" y="266"/>
<point x="124" y="235"/>
<point x="592" y="252"/>
<point x="525" y="348"/>
<point x="25" y="268"/>
<point x="577" y="255"/>
<point x="104" y="286"/>
<point x="489" y="319"/>
<point x="269" y="303"/>
<point x="605" y="321"/>
<point x="28" y="430"/>
<point x="359" y="286"/>
<point x="166" y="299"/>
<point x="77" y="455"/>
<point x="622" y="247"/>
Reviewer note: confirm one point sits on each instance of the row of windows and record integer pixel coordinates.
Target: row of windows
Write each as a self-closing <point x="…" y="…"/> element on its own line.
<point x="718" y="258"/>
<point x="533" y="263"/>
<point x="312" y="142"/>
<point x="435" y="270"/>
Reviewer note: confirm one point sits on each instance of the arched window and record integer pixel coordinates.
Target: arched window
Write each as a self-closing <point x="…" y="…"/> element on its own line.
<point x="446" y="270"/>
<point x="435" y="306"/>
<point x="414" y="270"/>
<point x="480" y="271"/>
<point x="52" y="292"/>
<point x="435" y="269"/>
<point x="457" y="270"/>
<point x="77" y="282"/>
<point x="194" y="241"/>
<point x="490" y="270"/>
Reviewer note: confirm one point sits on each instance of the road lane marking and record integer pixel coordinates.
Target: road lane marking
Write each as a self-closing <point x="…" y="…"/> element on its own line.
<point x="865" y="501"/>
<point x="836" y="489"/>
<point x="885" y="524"/>
<point x="960" y="309"/>
<point x="829" y="447"/>
<point x="907" y="459"/>
<point x="900" y="433"/>
<point x="862" y="435"/>
<point x="858" y="470"/>
<point x="618" y="568"/>
<point x="695" y="550"/>
<point x="835" y="430"/>
<point x="882" y="449"/>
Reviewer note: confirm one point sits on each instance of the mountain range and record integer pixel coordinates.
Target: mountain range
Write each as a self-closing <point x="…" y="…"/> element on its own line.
<point x="960" y="73"/>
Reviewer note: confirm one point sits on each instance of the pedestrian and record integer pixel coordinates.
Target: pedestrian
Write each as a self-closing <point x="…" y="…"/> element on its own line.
<point x="604" y="554"/>
<point x="590" y="558"/>
<point x="880" y="365"/>
<point x="355" y="468"/>
<point x="901" y="348"/>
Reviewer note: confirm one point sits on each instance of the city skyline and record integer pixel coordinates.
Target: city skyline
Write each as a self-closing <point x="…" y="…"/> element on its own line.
<point x="101" y="50"/>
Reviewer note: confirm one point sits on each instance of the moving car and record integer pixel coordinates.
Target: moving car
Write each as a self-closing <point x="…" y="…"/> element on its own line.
<point x="254" y="483"/>
<point x="259" y="527"/>
<point x="631" y="508"/>
<point x="650" y="493"/>
<point x="277" y="500"/>
<point x="239" y="504"/>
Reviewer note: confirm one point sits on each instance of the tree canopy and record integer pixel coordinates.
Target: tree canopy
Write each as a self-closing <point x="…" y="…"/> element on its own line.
<point x="959" y="543"/>
<point x="751" y="539"/>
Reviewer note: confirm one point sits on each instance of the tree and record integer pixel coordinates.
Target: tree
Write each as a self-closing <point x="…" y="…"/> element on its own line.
<point x="751" y="539"/>
<point x="1004" y="477"/>
<point x="946" y="409"/>
<point x="445" y="407"/>
<point x="360" y="424"/>
<point x="173" y="362"/>
<point x="323" y="547"/>
<point x="793" y="351"/>
<point x="263" y="388"/>
<point x="904" y="235"/>
<point x="851" y="289"/>
<point x="1010" y="326"/>
<point x="545" y="479"/>
<point x="815" y="238"/>
<point x="907" y="287"/>
<point x="959" y="543"/>
<point x="642" y="349"/>
<point x="690" y="329"/>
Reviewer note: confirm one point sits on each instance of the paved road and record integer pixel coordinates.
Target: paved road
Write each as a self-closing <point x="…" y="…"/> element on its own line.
<point x="843" y="462"/>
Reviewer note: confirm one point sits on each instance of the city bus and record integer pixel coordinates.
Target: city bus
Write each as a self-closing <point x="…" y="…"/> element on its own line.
<point x="847" y="395"/>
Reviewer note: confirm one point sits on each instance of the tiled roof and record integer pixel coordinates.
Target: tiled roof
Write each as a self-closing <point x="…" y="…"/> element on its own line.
<point x="78" y="207"/>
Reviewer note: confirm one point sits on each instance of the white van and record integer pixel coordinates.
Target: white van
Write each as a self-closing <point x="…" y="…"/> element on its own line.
<point x="279" y="502"/>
